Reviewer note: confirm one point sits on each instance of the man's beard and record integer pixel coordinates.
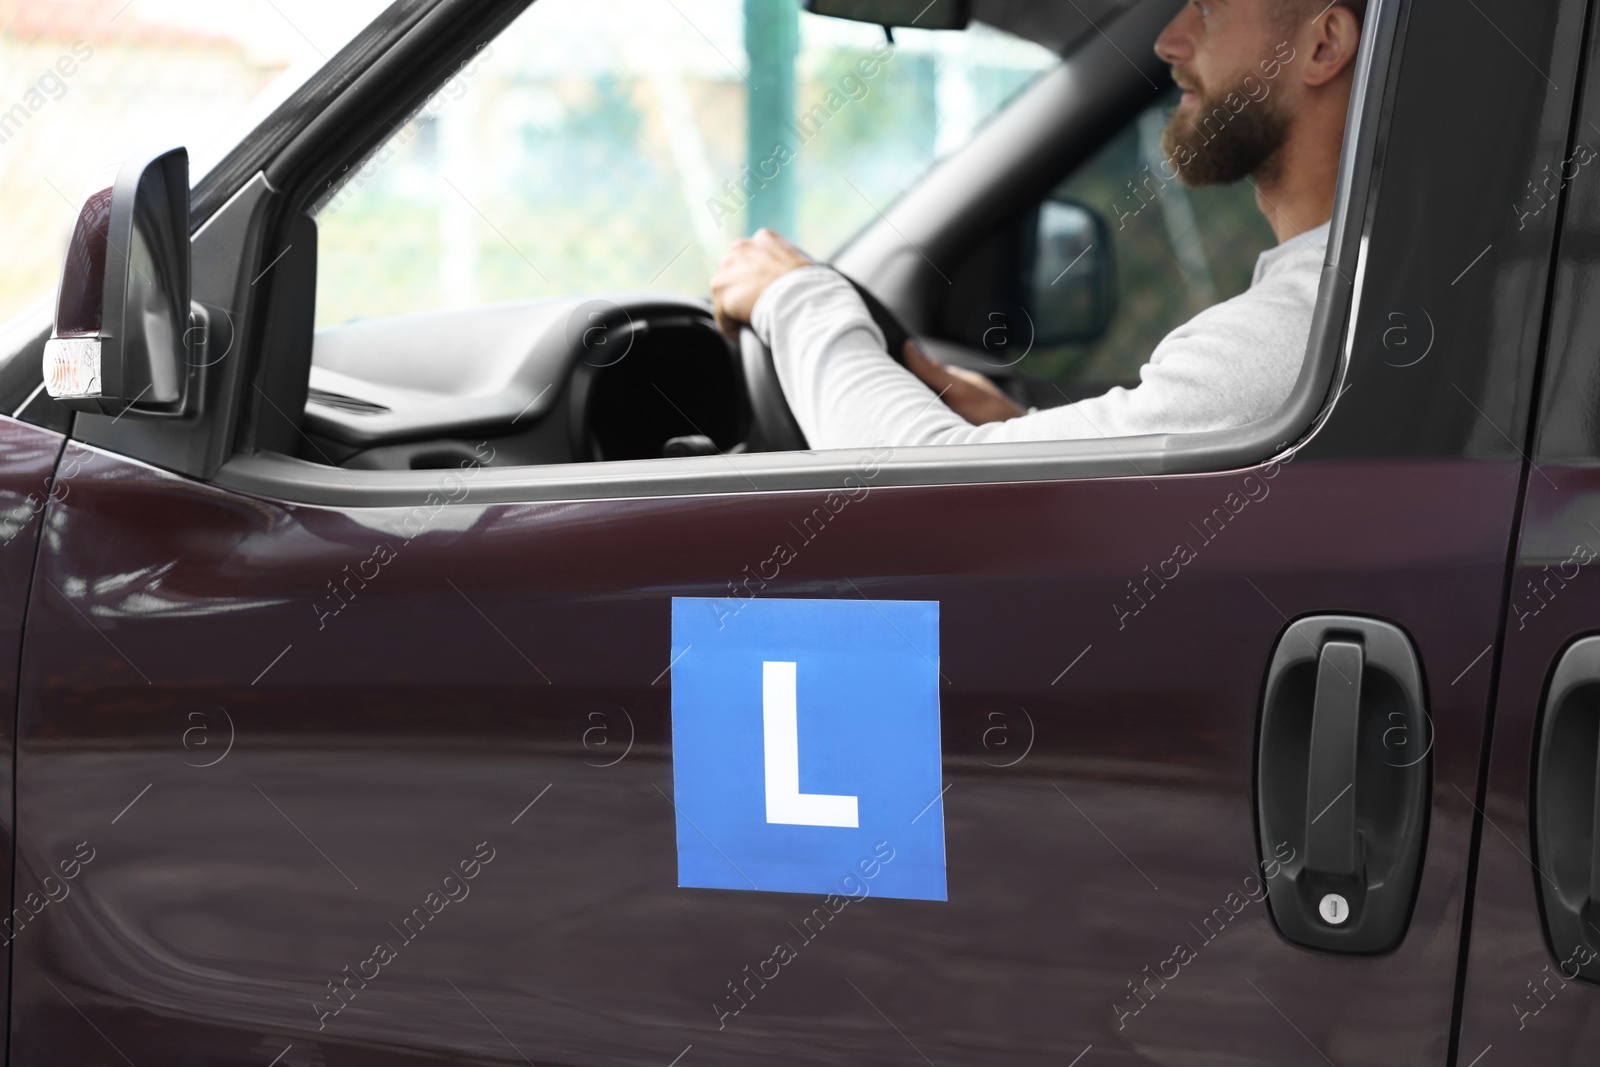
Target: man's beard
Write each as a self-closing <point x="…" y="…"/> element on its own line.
<point x="1218" y="147"/>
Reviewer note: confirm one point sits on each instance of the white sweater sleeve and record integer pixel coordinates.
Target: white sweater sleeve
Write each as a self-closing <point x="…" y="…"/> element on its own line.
<point x="1232" y="363"/>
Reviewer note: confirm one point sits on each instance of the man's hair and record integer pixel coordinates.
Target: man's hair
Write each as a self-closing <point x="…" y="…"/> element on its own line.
<point x="1306" y="9"/>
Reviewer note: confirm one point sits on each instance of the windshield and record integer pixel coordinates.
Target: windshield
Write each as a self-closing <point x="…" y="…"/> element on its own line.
<point x="85" y="82"/>
<point x="599" y="147"/>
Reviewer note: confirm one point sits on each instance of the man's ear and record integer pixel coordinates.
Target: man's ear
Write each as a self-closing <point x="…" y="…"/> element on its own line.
<point x="1335" y="37"/>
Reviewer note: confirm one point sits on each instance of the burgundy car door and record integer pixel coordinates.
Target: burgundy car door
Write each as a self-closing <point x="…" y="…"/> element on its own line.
<point x="370" y="781"/>
<point x="1532" y="983"/>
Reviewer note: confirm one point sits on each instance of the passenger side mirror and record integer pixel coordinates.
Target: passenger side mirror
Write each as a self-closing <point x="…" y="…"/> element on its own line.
<point x="916" y="14"/>
<point x="1072" y="286"/>
<point x="123" y="333"/>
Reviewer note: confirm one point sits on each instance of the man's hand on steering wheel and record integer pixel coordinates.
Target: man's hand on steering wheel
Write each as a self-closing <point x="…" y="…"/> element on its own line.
<point x="752" y="264"/>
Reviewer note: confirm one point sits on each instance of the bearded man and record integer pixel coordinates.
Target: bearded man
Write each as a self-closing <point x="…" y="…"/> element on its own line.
<point x="1231" y="364"/>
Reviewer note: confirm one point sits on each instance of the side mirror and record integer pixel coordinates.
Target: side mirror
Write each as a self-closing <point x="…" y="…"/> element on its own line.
<point x="124" y="325"/>
<point x="915" y="14"/>
<point x="1072" y="285"/>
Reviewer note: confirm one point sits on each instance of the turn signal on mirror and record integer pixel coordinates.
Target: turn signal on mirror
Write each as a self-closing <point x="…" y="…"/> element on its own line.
<point x="72" y="367"/>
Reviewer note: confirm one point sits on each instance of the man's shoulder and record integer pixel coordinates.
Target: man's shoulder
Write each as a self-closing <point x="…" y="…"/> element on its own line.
<point x="1300" y="253"/>
<point x="1269" y="321"/>
<point x="1287" y="287"/>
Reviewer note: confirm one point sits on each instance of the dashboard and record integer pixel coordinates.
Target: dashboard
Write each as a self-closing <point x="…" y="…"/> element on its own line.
<point x="560" y="380"/>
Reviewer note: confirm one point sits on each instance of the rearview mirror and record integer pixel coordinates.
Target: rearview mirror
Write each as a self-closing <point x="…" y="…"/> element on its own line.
<point x="1072" y="287"/>
<point x="915" y="14"/>
<point x="123" y="333"/>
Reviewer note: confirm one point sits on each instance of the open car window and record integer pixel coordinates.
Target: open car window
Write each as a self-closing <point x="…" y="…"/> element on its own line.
<point x="480" y="319"/>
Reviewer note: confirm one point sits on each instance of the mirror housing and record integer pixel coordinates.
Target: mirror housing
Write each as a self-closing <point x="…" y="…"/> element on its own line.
<point x="1071" y="284"/>
<point x="126" y="331"/>
<point x="911" y="14"/>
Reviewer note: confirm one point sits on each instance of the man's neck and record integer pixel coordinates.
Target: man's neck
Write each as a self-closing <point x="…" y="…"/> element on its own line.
<point x="1295" y="190"/>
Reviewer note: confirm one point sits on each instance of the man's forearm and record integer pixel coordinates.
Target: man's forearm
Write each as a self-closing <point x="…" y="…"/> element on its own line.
<point x="842" y="386"/>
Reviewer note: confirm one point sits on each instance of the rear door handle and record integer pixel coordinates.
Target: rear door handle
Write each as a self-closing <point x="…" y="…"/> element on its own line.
<point x="1343" y="775"/>
<point x="1566" y="808"/>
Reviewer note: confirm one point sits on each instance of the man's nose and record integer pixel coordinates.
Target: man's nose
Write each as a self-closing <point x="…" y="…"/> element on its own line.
<point x="1175" y="45"/>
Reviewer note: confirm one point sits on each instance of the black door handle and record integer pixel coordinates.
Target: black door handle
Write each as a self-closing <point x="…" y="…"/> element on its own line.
<point x="1343" y="775"/>
<point x="1566" y="809"/>
<point x="1331" y="843"/>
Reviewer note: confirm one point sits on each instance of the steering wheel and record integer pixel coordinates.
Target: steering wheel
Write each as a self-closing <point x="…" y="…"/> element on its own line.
<point x="772" y="423"/>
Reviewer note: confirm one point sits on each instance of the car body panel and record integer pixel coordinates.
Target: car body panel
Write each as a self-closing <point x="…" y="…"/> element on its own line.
<point x="1521" y="997"/>
<point x="1097" y="755"/>
<point x="28" y="457"/>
